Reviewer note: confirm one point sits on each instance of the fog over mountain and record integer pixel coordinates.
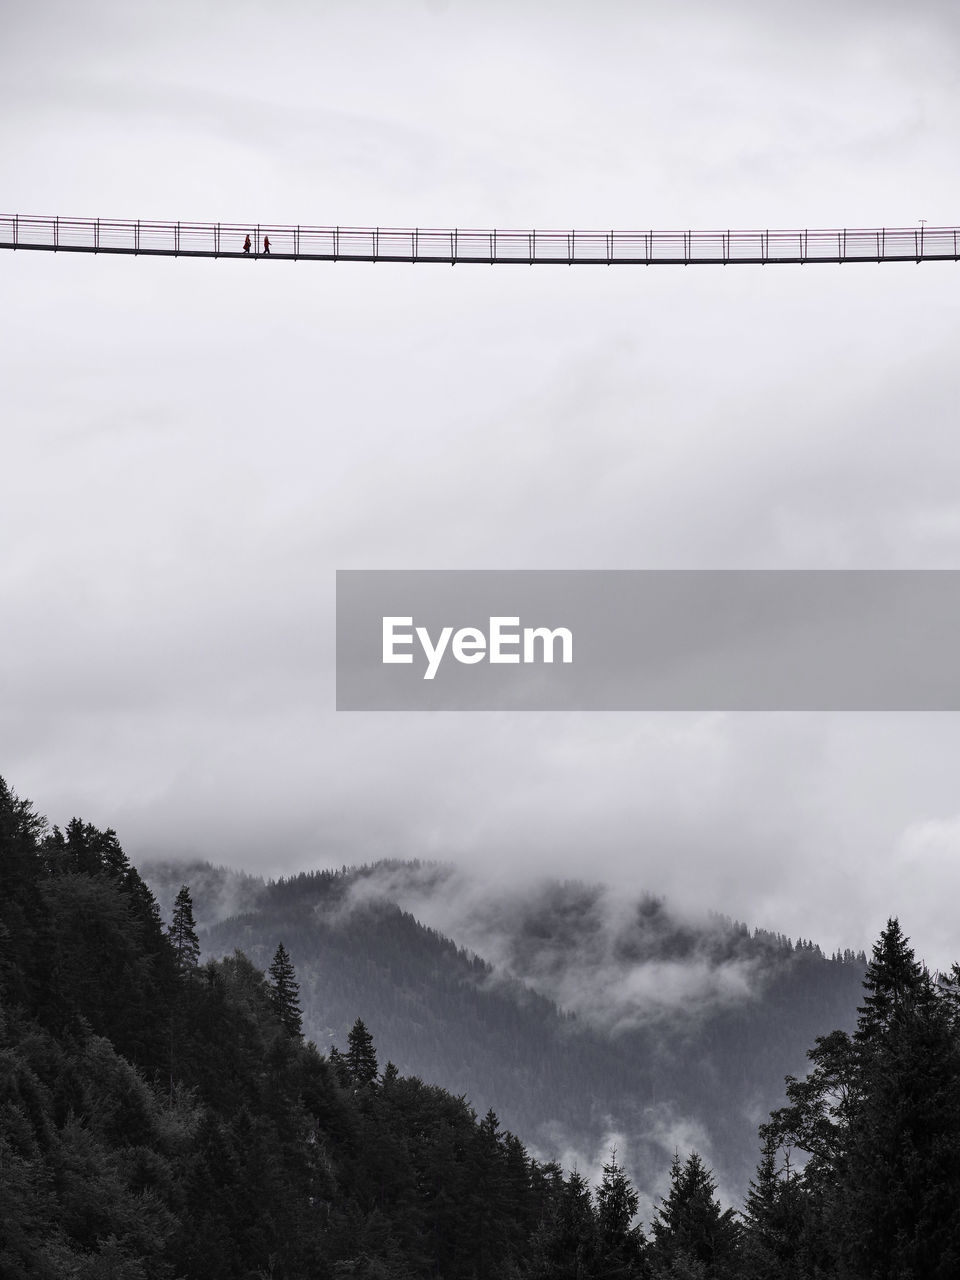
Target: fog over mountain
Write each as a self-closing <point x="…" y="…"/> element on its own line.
<point x="586" y="1019"/>
<point x="616" y="961"/>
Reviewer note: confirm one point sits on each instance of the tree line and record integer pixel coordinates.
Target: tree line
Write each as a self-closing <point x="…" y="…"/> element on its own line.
<point x="163" y="1119"/>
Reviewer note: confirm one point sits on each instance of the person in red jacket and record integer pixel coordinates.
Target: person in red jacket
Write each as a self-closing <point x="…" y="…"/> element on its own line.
<point x="246" y="245"/>
<point x="266" y="244"/>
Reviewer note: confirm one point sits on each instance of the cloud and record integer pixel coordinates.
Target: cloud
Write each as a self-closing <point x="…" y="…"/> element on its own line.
<point x="217" y="441"/>
<point x="655" y="1138"/>
<point x="618" y="962"/>
<point x="217" y="893"/>
<point x="929" y="860"/>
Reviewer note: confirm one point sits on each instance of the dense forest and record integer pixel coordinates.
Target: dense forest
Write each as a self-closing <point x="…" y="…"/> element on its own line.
<point x="163" y="1119"/>
<point x="705" y="1070"/>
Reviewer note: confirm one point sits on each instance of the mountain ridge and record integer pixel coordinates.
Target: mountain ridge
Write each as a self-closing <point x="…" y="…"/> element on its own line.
<point x="567" y="1078"/>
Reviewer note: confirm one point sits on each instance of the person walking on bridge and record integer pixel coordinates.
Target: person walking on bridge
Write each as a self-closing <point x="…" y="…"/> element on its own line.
<point x="246" y="245"/>
<point x="266" y="244"/>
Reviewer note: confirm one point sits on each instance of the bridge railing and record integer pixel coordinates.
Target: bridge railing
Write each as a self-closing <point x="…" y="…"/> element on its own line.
<point x="423" y="244"/>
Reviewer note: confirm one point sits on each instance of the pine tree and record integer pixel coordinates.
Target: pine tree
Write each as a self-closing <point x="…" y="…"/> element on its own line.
<point x="565" y="1244"/>
<point x="900" y="1191"/>
<point x="284" y="991"/>
<point x="893" y="980"/>
<point x="183" y="932"/>
<point x="24" y="959"/>
<point x="361" y="1058"/>
<point x="487" y="1208"/>
<point x="773" y="1219"/>
<point x="879" y="1115"/>
<point x="620" y="1243"/>
<point x="690" y="1229"/>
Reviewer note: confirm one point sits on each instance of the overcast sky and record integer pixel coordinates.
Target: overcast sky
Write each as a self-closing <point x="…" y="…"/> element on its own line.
<point x="190" y="449"/>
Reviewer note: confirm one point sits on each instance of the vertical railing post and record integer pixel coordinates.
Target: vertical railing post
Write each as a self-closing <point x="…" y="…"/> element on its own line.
<point x="136" y="237"/>
<point x="416" y="244"/>
<point x="56" y="232"/>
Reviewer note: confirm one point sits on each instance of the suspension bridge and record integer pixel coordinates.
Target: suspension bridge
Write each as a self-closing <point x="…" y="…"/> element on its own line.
<point x="465" y="245"/>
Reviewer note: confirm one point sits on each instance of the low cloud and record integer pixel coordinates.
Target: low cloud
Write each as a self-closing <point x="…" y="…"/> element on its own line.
<point x="217" y="893"/>
<point x="619" y="962"/>
<point x="645" y="1152"/>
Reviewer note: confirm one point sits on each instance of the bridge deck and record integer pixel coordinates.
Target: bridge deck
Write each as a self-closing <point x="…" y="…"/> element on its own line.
<point x="392" y="244"/>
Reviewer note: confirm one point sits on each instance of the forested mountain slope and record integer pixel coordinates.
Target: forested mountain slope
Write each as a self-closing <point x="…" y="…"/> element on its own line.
<point x="701" y="1065"/>
<point x="163" y="1119"/>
